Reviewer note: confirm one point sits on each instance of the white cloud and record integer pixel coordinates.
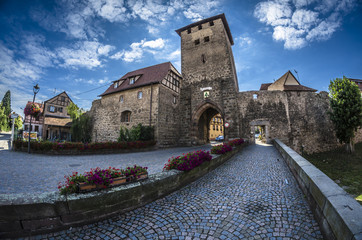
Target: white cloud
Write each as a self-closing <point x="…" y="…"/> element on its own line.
<point x="244" y="41"/>
<point x="295" y="25"/>
<point x="138" y="49"/>
<point x="84" y="54"/>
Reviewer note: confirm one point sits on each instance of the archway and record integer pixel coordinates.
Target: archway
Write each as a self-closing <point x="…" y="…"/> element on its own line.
<point x="201" y="122"/>
<point x="260" y="128"/>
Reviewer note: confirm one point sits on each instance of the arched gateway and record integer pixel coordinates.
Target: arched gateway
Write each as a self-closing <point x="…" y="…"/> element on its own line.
<point x="201" y="122"/>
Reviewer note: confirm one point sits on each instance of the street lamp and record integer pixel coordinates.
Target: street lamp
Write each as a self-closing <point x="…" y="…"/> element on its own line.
<point x="35" y="90"/>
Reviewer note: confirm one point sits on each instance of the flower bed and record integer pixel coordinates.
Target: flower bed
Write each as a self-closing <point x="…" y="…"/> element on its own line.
<point x="99" y="178"/>
<point x="236" y="142"/>
<point x="188" y="161"/>
<point x="47" y="146"/>
<point x="221" y="149"/>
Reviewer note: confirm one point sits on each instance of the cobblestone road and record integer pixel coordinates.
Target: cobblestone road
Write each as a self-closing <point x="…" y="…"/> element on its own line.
<point x="36" y="173"/>
<point x="252" y="196"/>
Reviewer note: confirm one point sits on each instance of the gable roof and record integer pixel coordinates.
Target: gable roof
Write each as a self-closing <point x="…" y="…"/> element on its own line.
<point x="222" y="16"/>
<point x="57" y="96"/>
<point x="287" y="82"/>
<point x="148" y="75"/>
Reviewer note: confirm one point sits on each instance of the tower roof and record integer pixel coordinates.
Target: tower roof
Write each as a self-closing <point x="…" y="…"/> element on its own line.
<point x="287" y="82"/>
<point x="222" y="16"/>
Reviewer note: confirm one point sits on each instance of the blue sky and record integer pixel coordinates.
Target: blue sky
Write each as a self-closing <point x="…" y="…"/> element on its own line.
<point x="82" y="46"/>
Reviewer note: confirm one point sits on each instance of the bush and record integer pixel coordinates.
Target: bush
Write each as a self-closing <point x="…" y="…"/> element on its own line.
<point x="136" y="133"/>
<point x="188" y="161"/>
<point x="221" y="149"/>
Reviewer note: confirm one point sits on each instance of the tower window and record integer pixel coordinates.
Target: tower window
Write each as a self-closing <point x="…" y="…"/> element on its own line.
<point x="174" y="100"/>
<point x="212" y="23"/>
<point x="121" y="99"/>
<point x="197" y="41"/>
<point x="255" y="96"/>
<point x="206" y="39"/>
<point x="139" y="95"/>
<point x="189" y="30"/>
<point x="200" y="27"/>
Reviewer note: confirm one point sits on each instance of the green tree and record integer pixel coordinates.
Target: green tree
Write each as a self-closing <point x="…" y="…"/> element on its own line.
<point x="18" y="123"/>
<point x="346" y="114"/>
<point x="3" y="120"/>
<point x="81" y="124"/>
<point x="6" y="103"/>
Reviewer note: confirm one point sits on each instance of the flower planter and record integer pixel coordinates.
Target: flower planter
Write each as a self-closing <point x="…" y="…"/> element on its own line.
<point x="118" y="181"/>
<point x="133" y="178"/>
<point x="86" y="187"/>
<point x="142" y="176"/>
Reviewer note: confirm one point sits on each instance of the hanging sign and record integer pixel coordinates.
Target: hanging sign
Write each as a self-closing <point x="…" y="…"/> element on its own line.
<point x="227" y="125"/>
<point x="206" y="94"/>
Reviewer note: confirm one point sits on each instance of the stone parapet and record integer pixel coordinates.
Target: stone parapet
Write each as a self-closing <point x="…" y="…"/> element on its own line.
<point x="338" y="214"/>
<point x="29" y="215"/>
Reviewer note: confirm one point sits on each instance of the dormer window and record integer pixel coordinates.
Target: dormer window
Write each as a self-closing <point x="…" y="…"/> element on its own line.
<point x="131" y="80"/>
<point x="116" y="85"/>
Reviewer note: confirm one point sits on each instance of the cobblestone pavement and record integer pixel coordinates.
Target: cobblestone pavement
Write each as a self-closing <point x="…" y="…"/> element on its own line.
<point x="36" y="173"/>
<point x="252" y="196"/>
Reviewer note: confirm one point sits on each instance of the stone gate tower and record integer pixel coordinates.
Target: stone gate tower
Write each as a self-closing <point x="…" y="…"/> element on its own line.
<point x="210" y="84"/>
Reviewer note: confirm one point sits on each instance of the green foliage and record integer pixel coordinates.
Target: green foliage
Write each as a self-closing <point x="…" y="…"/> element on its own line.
<point x="18" y="123"/>
<point x="346" y="104"/>
<point x="3" y="120"/>
<point x="136" y="133"/>
<point x="6" y="104"/>
<point x="81" y="124"/>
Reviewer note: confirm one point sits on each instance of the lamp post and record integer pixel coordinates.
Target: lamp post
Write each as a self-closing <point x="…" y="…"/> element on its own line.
<point x="35" y="90"/>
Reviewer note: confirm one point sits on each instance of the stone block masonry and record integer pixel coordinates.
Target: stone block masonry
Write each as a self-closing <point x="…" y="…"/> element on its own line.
<point x="338" y="214"/>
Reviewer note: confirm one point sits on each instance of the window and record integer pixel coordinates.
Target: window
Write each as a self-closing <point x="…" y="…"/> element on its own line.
<point x="51" y="109"/>
<point x="255" y="96"/>
<point x="212" y="23"/>
<point x="174" y="100"/>
<point x="131" y="80"/>
<point x="139" y="95"/>
<point x="197" y="41"/>
<point x="126" y="116"/>
<point x="26" y="127"/>
<point x="60" y="109"/>
<point x="189" y="30"/>
<point x="206" y="39"/>
<point x="121" y="98"/>
<point x="62" y="98"/>
<point x="116" y="85"/>
<point x="200" y="27"/>
<point x="36" y="128"/>
<point x="217" y="127"/>
<point x="213" y="127"/>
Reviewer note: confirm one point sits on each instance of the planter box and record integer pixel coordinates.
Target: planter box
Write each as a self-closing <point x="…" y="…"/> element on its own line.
<point x="87" y="187"/>
<point x="138" y="178"/>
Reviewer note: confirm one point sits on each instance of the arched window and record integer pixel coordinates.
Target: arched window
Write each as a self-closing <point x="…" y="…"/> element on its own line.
<point x="126" y="116"/>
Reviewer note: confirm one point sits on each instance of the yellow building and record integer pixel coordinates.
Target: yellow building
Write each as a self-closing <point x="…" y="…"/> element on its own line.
<point x="216" y="127"/>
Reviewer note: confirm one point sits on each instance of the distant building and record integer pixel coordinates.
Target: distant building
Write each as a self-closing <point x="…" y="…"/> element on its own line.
<point x="36" y="123"/>
<point x="216" y="127"/>
<point x="358" y="82"/>
<point x="57" y="121"/>
<point x="287" y="82"/>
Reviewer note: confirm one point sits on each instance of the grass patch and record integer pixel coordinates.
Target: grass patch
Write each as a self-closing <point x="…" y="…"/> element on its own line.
<point x="345" y="169"/>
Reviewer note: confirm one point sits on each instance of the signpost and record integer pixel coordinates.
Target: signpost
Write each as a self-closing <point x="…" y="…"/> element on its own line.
<point x="13" y="116"/>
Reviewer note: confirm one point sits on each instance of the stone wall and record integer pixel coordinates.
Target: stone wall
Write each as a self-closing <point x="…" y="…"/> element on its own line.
<point x="299" y="119"/>
<point x="106" y="112"/>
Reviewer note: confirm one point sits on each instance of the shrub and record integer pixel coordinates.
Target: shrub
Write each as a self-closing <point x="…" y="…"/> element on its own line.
<point x="136" y="133"/>
<point x="188" y="161"/>
<point x="236" y="142"/>
<point x="221" y="149"/>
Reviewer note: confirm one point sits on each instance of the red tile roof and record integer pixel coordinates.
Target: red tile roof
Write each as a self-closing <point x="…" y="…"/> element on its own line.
<point x="264" y="86"/>
<point x="149" y="75"/>
<point x="358" y="82"/>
